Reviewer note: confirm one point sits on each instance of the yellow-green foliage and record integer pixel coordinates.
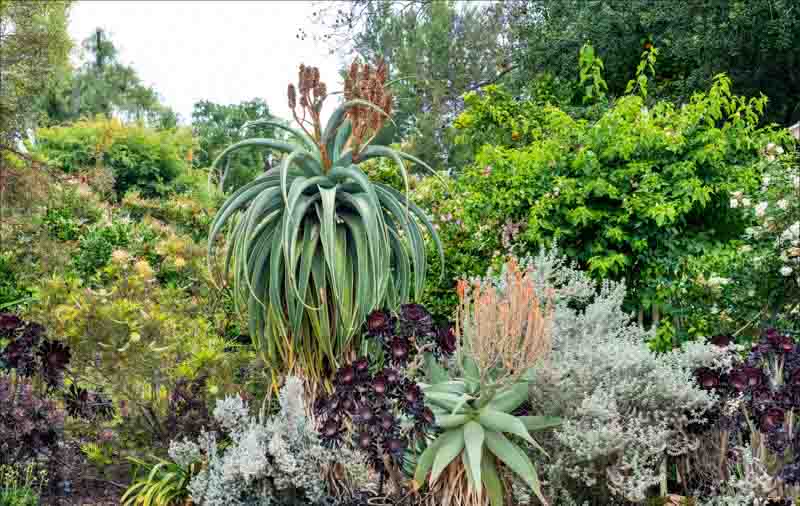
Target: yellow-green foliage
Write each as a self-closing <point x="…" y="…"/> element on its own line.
<point x="134" y="336"/>
<point x="139" y="157"/>
<point x="184" y="211"/>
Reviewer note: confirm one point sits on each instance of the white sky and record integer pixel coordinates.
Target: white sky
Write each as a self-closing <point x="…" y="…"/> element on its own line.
<point x="222" y="51"/>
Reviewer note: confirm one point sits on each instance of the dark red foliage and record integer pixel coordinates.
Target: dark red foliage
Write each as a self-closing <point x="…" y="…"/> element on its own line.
<point x="721" y="340"/>
<point x="771" y="419"/>
<point x="708" y="379"/>
<point x="30" y="425"/>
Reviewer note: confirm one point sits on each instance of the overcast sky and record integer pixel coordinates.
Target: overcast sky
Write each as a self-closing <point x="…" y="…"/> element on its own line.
<point x="223" y="51"/>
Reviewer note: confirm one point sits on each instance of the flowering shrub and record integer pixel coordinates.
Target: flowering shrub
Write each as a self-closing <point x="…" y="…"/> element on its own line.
<point x="768" y="271"/>
<point x="138" y="340"/>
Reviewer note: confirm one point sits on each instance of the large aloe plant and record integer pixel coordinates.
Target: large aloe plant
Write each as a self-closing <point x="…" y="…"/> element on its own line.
<point x="314" y="246"/>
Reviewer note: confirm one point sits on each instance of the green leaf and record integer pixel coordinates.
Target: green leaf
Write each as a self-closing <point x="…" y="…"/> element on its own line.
<point x="425" y="461"/>
<point x="503" y="422"/>
<point x="512" y="456"/>
<point x="449" y="450"/>
<point x="452" y="421"/>
<point x="536" y="423"/>
<point x="511" y="398"/>
<point x="473" y="443"/>
<point x="491" y="479"/>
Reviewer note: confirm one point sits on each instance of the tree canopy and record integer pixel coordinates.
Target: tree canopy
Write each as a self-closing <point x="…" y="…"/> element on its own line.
<point x="34" y="45"/>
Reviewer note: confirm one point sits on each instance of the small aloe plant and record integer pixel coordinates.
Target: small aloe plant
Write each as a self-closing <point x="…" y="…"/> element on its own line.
<point x="480" y="427"/>
<point x="314" y="246"/>
<point x="505" y="333"/>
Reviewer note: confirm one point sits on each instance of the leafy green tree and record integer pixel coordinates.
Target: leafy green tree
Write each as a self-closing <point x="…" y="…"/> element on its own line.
<point x="217" y="126"/>
<point x="757" y="43"/>
<point x="103" y="85"/>
<point x="634" y="195"/>
<point x="34" y="44"/>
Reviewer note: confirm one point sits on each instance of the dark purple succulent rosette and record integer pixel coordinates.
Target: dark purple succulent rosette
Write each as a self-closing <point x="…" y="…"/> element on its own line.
<point x="721" y="340"/>
<point x="399" y="351"/>
<point x="771" y="418"/>
<point x="9" y="322"/>
<point x="761" y="398"/>
<point x="778" y="440"/>
<point x="380" y="324"/>
<point x="446" y="340"/>
<point x="415" y="321"/>
<point x="88" y="405"/>
<point x="707" y="378"/>
<point x="745" y="378"/>
<point x="365" y="412"/>
<point x="790" y="474"/>
<point x="30" y="425"/>
<point x="54" y="358"/>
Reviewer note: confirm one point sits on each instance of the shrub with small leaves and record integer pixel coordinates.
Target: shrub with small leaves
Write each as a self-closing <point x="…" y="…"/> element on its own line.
<point x="274" y="460"/>
<point x="625" y="408"/>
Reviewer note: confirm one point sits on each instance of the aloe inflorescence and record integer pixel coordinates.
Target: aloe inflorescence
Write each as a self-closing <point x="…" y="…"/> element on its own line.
<point x="314" y="246"/>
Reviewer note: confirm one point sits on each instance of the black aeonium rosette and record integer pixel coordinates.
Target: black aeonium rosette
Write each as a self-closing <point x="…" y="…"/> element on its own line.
<point x="377" y="411"/>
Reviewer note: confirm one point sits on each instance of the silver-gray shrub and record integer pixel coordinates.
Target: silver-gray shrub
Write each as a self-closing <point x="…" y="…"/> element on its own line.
<point x="269" y="461"/>
<point x="624" y="407"/>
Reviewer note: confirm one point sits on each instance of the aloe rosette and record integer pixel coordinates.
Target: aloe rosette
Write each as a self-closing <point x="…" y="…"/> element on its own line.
<point x="314" y="246"/>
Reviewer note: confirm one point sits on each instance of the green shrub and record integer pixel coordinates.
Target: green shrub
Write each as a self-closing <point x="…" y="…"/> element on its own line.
<point x="11" y="290"/>
<point x="633" y="196"/>
<point x="21" y="485"/>
<point x="96" y="247"/>
<point x="139" y="157"/>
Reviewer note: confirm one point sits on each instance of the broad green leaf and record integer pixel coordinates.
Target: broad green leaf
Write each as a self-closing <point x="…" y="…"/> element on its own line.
<point x="503" y="422"/>
<point x="473" y="443"/>
<point x="447" y="451"/>
<point x="512" y="456"/>
<point x="491" y="479"/>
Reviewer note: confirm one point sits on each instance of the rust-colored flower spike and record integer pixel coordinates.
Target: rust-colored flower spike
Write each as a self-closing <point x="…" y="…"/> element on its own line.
<point x="320" y="91"/>
<point x="292" y="94"/>
<point x="387" y="105"/>
<point x="312" y="91"/>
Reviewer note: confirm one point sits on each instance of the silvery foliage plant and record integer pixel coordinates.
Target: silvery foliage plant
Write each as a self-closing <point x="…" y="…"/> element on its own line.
<point x="625" y="408"/>
<point x="268" y="461"/>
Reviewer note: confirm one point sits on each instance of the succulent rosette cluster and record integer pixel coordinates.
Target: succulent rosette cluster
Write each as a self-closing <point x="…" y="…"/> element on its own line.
<point x="88" y="405"/>
<point x="410" y="332"/>
<point x="28" y="352"/>
<point x="766" y="384"/>
<point x="376" y="410"/>
<point x="30" y="425"/>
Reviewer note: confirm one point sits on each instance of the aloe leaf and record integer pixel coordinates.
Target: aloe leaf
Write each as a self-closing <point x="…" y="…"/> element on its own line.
<point x="536" y="423"/>
<point x="447" y="451"/>
<point x="425" y="461"/>
<point x="509" y="399"/>
<point x="491" y="479"/>
<point x="473" y="443"/>
<point x="452" y="421"/>
<point x="512" y="456"/>
<point x="503" y="422"/>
